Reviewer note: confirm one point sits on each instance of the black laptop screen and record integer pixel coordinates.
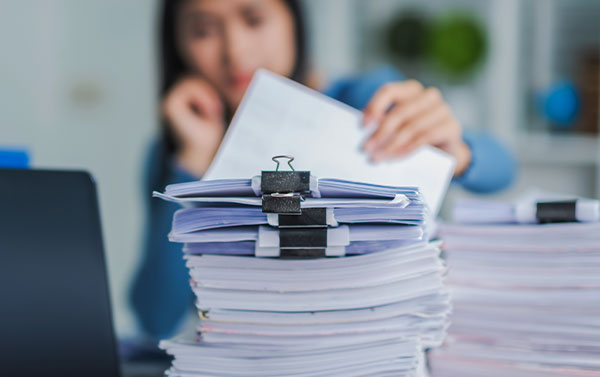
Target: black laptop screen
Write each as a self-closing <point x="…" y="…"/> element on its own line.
<point x="55" y="315"/>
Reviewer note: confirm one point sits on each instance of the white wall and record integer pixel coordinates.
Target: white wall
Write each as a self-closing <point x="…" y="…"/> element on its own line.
<point x="77" y="89"/>
<point x="333" y="35"/>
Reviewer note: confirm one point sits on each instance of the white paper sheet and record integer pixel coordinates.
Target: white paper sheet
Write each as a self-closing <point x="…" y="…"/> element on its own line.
<point x="279" y="116"/>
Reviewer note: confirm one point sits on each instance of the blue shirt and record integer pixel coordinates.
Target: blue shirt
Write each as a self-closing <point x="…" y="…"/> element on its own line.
<point x="161" y="295"/>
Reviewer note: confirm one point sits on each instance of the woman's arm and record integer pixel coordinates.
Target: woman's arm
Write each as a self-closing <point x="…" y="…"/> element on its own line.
<point x="161" y="295"/>
<point x="492" y="167"/>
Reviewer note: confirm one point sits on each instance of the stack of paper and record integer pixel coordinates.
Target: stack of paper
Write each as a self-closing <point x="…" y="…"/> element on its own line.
<point x="352" y="209"/>
<point x="526" y="298"/>
<point x="370" y="303"/>
<point x="371" y="313"/>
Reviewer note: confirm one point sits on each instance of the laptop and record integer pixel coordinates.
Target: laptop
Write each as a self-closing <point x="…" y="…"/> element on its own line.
<point x="55" y="315"/>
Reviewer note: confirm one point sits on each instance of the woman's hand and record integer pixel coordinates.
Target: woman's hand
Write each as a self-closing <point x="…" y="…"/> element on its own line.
<point x="410" y="116"/>
<point x="195" y="112"/>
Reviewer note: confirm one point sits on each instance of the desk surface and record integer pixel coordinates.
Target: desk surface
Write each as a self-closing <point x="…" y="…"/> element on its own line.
<point x="144" y="368"/>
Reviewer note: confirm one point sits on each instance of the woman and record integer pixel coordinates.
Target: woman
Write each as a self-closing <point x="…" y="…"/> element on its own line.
<point x="210" y="49"/>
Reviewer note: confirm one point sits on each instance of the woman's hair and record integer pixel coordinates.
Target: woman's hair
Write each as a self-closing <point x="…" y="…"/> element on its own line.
<point x="172" y="66"/>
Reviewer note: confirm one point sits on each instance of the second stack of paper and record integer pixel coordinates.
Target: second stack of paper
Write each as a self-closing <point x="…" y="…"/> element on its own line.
<point x="526" y="300"/>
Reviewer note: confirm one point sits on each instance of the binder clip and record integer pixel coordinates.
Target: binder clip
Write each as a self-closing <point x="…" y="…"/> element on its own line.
<point x="302" y="232"/>
<point x="282" y="190"/>
<point x="556" y="212"/>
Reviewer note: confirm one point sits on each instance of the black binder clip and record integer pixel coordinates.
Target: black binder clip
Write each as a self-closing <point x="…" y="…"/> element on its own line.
<point x="302" y="233"/>
<point x="302" y="242"/>
<point x="282" y="190"/>
<point x="556" y="212"/>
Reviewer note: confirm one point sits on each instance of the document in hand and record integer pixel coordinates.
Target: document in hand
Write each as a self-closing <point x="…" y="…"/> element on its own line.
<point x="526" y="298"/>
<point x="371" y="310"/>
<point x="279" y="116"/>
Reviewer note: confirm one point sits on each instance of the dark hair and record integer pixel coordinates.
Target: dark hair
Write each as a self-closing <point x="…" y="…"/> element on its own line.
<point x="172" y="66"/>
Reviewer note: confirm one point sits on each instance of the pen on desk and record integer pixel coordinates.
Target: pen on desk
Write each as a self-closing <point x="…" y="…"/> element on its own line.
<point x="580" y="210"/>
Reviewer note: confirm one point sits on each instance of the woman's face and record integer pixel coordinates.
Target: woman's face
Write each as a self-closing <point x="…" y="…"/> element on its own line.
<point x="226" y="41"/>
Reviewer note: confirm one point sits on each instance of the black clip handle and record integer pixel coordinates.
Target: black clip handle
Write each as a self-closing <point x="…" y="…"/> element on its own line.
<point x="282" y="190"/>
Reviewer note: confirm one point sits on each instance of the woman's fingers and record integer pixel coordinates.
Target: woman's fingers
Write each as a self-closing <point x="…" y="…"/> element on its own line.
<point x="192" y="99"/>
<point x="400" y="115"/>
<point x="194" y="112"/>
<point x="437" y="137"/>
<point x="203" y="98"/>
<point x="389" y="95"/>
<point x="429" y="122"/>
<point x="409" y="117"/>
<point x="446" y="135"/>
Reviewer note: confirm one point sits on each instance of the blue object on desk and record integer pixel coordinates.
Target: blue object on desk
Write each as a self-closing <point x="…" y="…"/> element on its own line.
<point x="14" y="158"/>
<point x="560" y="104"/>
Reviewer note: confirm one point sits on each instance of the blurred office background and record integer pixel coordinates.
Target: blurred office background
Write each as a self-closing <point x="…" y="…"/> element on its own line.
<point x="78" y="88"/>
